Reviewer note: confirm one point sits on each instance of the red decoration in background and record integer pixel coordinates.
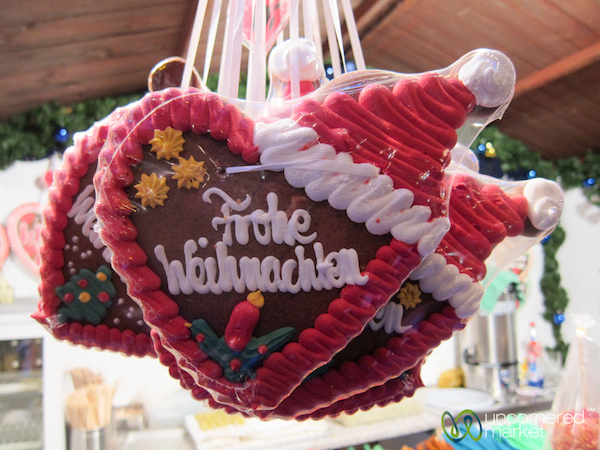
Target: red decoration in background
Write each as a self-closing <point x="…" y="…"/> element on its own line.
<point x="4" y="246"/>
<point x="23" y="227"/>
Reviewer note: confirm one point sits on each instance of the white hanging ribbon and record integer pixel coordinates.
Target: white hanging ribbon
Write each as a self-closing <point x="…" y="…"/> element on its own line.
<point x="193" y="43"/>
<point x="294" y="37"/>
<point x="229" y="72"/>
<point x="332" y="41"/>
<point x="212" y="37"/>
<point x="312" y="29"/>
<point x="357" y="52"/>
<point x="257" y="58"/>
<point x="335" y="16"/>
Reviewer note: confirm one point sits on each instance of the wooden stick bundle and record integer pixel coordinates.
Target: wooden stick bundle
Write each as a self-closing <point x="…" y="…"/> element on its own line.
<point x="89" y="407"/>
<point x="83" y="377"/>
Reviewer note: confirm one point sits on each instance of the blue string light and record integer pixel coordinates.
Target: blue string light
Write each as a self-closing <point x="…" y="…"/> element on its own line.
<point x="559" y="318"/>
<point x="588" y="183"/>
<point x="61" y="136"/>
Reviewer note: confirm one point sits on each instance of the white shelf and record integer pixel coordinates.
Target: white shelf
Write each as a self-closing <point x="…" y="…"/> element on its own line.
<point x="16" y="321"/>
<point x="15" y="324"/>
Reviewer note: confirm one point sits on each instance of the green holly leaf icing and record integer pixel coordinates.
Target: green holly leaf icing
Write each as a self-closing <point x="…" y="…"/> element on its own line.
<point x="239" y="366"/>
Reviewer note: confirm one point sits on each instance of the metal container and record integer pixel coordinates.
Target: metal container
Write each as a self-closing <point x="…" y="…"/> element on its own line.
<point x="97" y="439"/>
<point x="489" y="348"/>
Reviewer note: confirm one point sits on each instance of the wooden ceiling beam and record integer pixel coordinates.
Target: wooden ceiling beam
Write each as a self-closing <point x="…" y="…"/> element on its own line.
<point x="559" y="69"/>
<point x="371" y="12"/>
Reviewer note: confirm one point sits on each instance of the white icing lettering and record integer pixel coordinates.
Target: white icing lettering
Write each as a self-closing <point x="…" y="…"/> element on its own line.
<point x="225" y="273"/>
<point x="82" y="212"/>
<point x="222" y="272"/>
<point x="272" y="225"/>
<point x="390" y="318"/>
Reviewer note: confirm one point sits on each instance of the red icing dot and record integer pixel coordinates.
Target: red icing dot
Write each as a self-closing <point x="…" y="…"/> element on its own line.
<point x="235" y="364"/>
<point x="82" y="283"/>
<point x="48" y="177"/>
<point x="262" y="349"/>
<point x="68" y="297"/>
<point x="103" y="297"/>
<point x="200" y="337"/>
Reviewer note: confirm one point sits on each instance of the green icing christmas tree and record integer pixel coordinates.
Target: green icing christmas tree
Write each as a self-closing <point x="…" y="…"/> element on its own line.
<point x="87" y="296"/>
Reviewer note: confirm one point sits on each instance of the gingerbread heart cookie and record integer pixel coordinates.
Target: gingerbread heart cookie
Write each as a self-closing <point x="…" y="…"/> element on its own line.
<point x="197" y="229"/>
<point x="438" y="298"/>
<point x="382" y="364"/>
<point x="82" y="300"/>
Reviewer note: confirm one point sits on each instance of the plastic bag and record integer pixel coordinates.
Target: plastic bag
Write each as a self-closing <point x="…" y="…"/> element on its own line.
<point x="575" y="416"/>
<point x="357" y="200"/>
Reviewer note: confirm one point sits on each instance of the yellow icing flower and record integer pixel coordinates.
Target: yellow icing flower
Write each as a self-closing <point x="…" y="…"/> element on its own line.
<point x="409" y="296"/>
<point x="189" y="173"/>
<point x="168" y="143"/>
<point x="152" y="190"/>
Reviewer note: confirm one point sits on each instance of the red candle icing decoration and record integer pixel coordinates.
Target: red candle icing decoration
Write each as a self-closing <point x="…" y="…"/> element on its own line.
<point x="242" y="321"/>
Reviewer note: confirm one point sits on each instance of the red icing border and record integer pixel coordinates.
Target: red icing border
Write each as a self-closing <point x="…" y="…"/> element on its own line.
<point x="65" y="187"/>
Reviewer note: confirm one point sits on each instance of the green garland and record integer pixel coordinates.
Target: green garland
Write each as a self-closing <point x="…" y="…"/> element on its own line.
<point x="555" y="296"/>
<point x="32" y="135"/>
<point x="570" y="172"/>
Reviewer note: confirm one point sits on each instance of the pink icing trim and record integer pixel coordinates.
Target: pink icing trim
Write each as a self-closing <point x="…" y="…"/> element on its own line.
<point x="65" y="186"/>
<point x="482" y="216"/>
<point x="352" y="386"/>
<point x="497" y="215"/>
<point x="400" y="355"/>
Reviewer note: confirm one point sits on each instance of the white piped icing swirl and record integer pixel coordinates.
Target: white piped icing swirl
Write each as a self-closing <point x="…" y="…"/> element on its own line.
<point x="490" y="76"/>
<point x="444" y="282"/>
<point x="369" y="199"/>
<point x="546" y="201"/>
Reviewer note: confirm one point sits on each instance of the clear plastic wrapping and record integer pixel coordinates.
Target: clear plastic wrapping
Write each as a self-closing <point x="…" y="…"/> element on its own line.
<point x="83" y="301"/>
<point x="300" y="258"/>
<point x="575" y="419"/>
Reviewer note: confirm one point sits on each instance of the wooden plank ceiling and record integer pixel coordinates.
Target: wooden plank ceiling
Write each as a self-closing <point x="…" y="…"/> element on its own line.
<point x="69" y="50"/>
